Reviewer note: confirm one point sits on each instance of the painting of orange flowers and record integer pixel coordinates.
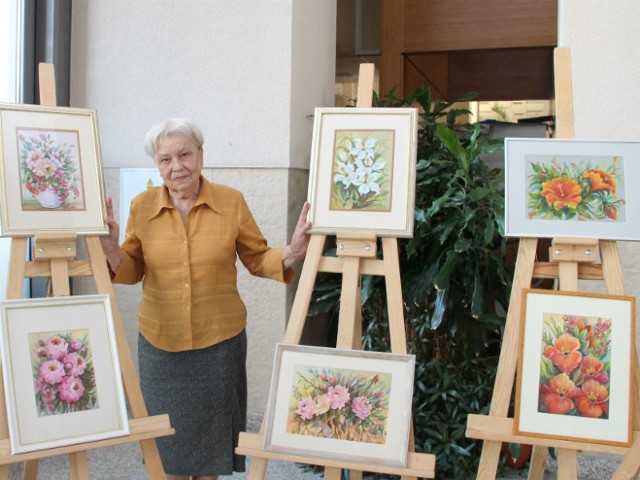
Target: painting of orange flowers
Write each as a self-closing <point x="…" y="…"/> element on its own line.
<point x="576" y="366"/>
<point x="340" y="404"/>
<point x="575" y="188"/>
<point x="571" y="188"/>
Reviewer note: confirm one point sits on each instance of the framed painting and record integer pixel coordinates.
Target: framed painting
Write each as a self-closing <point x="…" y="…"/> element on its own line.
<point x="61" y="372"/>
<point x="340" y="404"/>
<point x="571" y="188"/>
<point x="576" y="367"/>
<point x="132" y="182"/>
<point x="50" y="171"/>
<point x="362" y="177"/>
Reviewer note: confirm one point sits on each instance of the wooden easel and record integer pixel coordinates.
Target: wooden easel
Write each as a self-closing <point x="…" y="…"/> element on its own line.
<point x="571" y="259"/>
<point x="356" y="255"/>
<point x="54" y="255"/>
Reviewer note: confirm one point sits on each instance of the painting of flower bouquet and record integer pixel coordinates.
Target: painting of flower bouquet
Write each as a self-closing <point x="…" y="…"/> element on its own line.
<point x="362" y="170"/>
<point x="571" y="188"/>
<point x="340" y="404"/>
<point x="576" y="366"/>
<point x="62" y="382"/>
<point x="63" y="374"/>
<point x="576" y="188"/>
<point x="362" y="173"/>
<point x="50" y="169"/>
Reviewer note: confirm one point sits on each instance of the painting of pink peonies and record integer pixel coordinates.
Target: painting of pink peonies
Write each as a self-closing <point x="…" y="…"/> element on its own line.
<point x="63" y="374"/>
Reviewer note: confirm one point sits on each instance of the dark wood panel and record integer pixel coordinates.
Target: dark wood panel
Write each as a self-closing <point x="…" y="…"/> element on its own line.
<point x="446" y="25"/>
<point x="503" y="74"/>
<point x="391" y="61"/>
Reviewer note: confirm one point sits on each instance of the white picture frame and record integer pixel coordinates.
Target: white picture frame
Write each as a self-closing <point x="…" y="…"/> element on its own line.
<point x="62" y="378"/>
<point x="50" y="171"/>
<point x="366" y="395"/>
<point x="572" y="188"/>
<point x="363" y="171"/>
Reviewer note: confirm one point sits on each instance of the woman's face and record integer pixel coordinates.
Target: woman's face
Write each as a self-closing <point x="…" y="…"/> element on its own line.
<point x="180" y="163"/>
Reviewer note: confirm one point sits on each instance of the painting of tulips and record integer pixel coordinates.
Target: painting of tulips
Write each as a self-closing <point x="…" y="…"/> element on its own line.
<point x="571" y="188"/>
<point x="337" y="404"/>
<point x="576" y="366"/>
<point x="362" y="175"/>
<point x="62" y="381"/>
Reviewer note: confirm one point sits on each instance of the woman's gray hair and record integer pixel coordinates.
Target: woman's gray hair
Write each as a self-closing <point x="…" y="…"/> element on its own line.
<point x="169" y="127"/>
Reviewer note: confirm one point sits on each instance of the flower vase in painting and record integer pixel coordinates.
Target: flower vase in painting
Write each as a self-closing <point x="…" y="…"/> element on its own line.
<point x="63" y="374"/>
<point x="576" y="366"/>
<point x="340" y="404"/>
<point x="362" y="169"/>
<point x="50" y="170"/>
<point x="576" y="188"/>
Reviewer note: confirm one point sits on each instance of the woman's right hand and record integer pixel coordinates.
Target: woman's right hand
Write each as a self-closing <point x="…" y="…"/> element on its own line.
<point x="111" y="243"/>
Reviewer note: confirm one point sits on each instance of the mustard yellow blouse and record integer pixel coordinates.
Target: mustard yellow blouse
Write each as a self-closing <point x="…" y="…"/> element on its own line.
<point x="190" y="299"/>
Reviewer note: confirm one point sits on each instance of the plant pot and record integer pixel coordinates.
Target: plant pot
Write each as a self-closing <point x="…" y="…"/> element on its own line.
<point x="516" y="455"/>
<point x="49" y="198"/>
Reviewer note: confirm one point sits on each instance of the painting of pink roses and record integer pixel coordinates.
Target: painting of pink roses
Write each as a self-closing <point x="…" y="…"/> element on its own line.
<point x="340" y="404"/>
<point x="576" y="366"/>
<point x="63" y="374"/>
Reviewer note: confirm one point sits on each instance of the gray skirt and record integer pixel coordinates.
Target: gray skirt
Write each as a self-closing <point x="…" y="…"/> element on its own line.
<point x="205" y="394"/>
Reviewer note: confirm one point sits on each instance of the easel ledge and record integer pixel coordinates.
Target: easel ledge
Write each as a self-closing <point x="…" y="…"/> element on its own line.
<point x="139" y="429"/>
<point x="418" y="465"/>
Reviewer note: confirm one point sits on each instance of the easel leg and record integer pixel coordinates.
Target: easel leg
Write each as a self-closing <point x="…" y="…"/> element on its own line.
<point x="538" y="462"/>
<point x="567" y="464"/>
<point x="30" y="471"/>
<point x="332" y="473"/>
<point x="78" y="466"/>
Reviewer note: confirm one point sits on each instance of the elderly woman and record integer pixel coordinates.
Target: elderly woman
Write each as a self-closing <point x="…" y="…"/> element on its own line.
<point x="182" y="241"/>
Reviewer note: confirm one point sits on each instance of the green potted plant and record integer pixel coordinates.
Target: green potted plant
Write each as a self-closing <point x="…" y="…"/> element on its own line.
<point x="455" y="279"/>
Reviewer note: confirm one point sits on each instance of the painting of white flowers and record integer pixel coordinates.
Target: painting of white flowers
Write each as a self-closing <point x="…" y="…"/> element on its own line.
<point x="362" y="177"/>
<point x="340" y="404"/>
<point x="50" y="171"/>
<point x="61" y="372"/>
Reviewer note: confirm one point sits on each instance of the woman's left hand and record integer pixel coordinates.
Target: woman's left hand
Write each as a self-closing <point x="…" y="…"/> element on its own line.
<point x="297" y="249"/>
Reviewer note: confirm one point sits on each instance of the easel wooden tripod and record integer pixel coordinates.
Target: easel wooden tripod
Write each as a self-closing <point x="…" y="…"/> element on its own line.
<point x="54" y="257"/>
<point x="356" y="256"/>
<point x="571" y="259"/>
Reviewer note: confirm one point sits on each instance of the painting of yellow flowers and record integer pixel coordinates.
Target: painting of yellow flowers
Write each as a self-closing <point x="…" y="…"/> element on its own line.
<point x="363" y="171"/>
<point x="571" y="188"/>
<point x="336" y="404"/>
<point x="576" y="367"/>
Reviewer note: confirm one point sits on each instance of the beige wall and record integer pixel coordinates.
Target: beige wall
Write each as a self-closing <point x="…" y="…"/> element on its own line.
<point x="606" y="90"/>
